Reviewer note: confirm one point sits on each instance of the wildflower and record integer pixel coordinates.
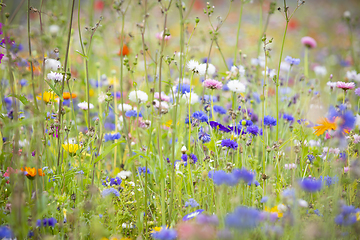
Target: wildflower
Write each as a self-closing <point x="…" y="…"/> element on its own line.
<point x="292" y="61"/>
<point x="288" y="117"/>
<point x="264" y="199"/>
<point x="124" y="51"/>
<point x="269" y="121"/>
<point x="345" y="86"/>
<point x="192" y="65"/>
<point x="138" y="96"/>
<point x="46" y="222"/>
<point x="46" y="96"/>
<point x="164" y="97"/>
<point x="236" y="86"/>
<point x="332" y="85"/>
<point x="203" y="136"/>
<point x="200" y="115"/>
<point x="54" y="29"/>
<point x="192" y="215"/>
<point x="219" y="109"/>
<point x="133" y="113"/>
<point x="244" y="174"/>
<point x="183" y="88"/>
<point x="191" y="158"/>
<point x="229" y="144"/>
<point x="221" y="177"/>
<point x="243" y="218"/>
<point x="253" y="129"/>
<point x="310" y="185"/>
<point x="357" y="92"/>
<point x="143" y="170"/>
<point x="353" y="75"/>
<point x="160" y="36"/>
<point x="165" y="234"/>
<point x="124" y="174"/>
<point x="108" y="191"/>
<point x="308" y="42"/>
<point x="290" y="166"/>
<point x="274" y="210"/>
<point x="356" y="138"/>
<point x="219" y="126"/>
<point x="347" y="216"/>
<point x="343" y="117"/>
<point x="56" y="77"/>
<point x="194" y="97"/>
<point x="84" y="105"/>
<point x="324" y="125"/>
<point x="111" y="136"/>
<point x="320" y="71"/>
<point x="328" y="181"/>
<point x="71" y="148"/>
<point x="192" y="202"/>
<point x="212" y="84"/>
<point x="310" y="158"/>
<point x="32" y="172"/>
<point x="206" y="219"/>
<point x="5" y="231"/>
<point x="124" y="107"/>
<point x="67" y="95"/>
<point x="52" y="64"/>
<point x="201" y="69"/>
<point x="113" y="181"/>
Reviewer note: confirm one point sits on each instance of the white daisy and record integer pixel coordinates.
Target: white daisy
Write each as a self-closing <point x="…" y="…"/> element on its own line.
<point x="236" y="86"/>
<point x="353" y="75"/>
<point x="84" y="105"/>
<point x="320" y="71"/>
<point x="192" y="65"/>
<point x="124" y="107"/>
<point x="138" y="96"/>
<point x="194" y="97"/>
<point x="52" y="64"/>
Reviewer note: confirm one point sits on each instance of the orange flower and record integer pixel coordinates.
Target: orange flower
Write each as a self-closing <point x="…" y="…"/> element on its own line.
<point x="66" y="95"/>
<point x="125" y="51"/>
<point x="31" y="172"/>
<point x="325" y="125"/>
<point x="40" y="172"/>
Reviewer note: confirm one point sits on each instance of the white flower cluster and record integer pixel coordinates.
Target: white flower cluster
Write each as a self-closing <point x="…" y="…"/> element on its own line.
<point x="52" y="64"/>
<point x="84" y="105"/>
<point x="236" y="86"/>
<point x="138" y="96"/>
<point x="200" y="69"/>
<point x="56" y="77"/>
<point x="353" y="75"/>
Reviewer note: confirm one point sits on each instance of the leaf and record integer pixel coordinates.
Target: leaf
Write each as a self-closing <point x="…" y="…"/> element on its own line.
<point x="1" y="142"/>
<point x="81" y="54"/>
<point x="21" y="98"/>
<point x="54" y="89"/>
<point x="107" y="151"/>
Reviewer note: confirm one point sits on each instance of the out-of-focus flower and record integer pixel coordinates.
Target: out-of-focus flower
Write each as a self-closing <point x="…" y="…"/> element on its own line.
<point x="71" y="148"/>
<point x="138" y="96"/>
<point x="290" y="166"/>
<point x="52" y="64"/>
<point x="111" y="136"/>
<point x="108" y="191"/>
<point x="353" y="76"/>
<point x="292" y="61"/>
<point x="324" y="125"/>
<point x="133" y="113"/>
<point x="229" y="144"/>
<point x="308" y="42"/>
<point x="274" y="210"/>
<point x="192" y="203"/>
<point x="236" y="86"/>
<point x="212" y="84"/>
<point x="160" y="36"/>
<point x="347" y="216"/>
<point x="269" y="121"/>
<point x="203" y="136"/>
<point x="192" y="215"/>
<point x="164" y="234"/>
<point x="194" y="97"/>
<point x="192" y="65"/>
<point x="67" y="95"/>
<point x="46" y="222"/>
<point x="332" y="85"/>
<point x="84" y="105"/>
<point x="124" y="107"/>
<point x="56" y="77"/>
<point x="124" y="51"/>
<point x="143" y="170"/>
<point x="47" y="96"/>
<point x="320" y="71"/>
<point x="164" y="97"/>
<point x="243" y="218"/>
<point x="202" y="69"/>
<point x="310" y="185"/>
<point x="124" y="174"/>
<point x="32" y="172"/>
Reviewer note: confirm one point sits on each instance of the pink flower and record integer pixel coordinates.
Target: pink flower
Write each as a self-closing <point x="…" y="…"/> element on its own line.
<point x="290" y="166"/>
<point x="212" y="84"/>
<point x="345" y="86"/>
<point x="356" y="138"/>
<point x="160" y="36"/>
<point x="308" y="42"/>
<point x="164" y="97"/>
<point x="346" y="169"/>
<point x="327" y="136"/>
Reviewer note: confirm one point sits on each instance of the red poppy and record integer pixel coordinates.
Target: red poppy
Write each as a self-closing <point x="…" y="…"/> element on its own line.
<point x="125" y="50"/>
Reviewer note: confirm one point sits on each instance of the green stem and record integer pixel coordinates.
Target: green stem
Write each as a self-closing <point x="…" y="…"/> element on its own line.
<point x="237" y="34"/>
<point x="306" y="62"/>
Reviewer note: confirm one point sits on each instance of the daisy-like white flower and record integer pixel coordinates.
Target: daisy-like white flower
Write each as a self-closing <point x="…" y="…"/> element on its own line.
<point x="270" y="72"/>
<point x="331" y="84"/>
<point x="138" y="96"/>
<point x="52" y="64"/>
<point x="56" y="77"/>
<point x="212" y="84"/>
<point x="164" y="105"/>
<point x="353" y="75"/>
<point x="124" y="174"/>
<point x="164" y="97"/>
<point x="54" y="29"/>
<point x="194" y="97"/>
<point x="320" y="71"/>
<point x="202" y="69"/>
<point x="241" y="71"/>
<point x="102" y="97"/>
<point x="84" y="105"/>
<point x="345" y="86"/>
<point x="124" y="107"/>
<point x="236" y="86"/>
<point x="192" y="65"/>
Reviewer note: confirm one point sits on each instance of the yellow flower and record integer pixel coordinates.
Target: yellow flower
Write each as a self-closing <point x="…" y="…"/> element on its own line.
<point x="71" y="148"/>
<point x="274" y="210"/>
<point x="324" y="125"/>
<point x="91" y="93"/>
<point x="358" y="216"/>
<point x="47" y="96"/>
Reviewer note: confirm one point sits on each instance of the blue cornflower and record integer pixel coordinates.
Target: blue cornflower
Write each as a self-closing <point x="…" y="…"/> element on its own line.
<point x="6" y="233"/>
<point x="192" y="215"/>
<point x="165" y="234"/>
<point x="229" y="144"/>
<point x="203" y="136"/>
<point x="219" y="126"/>
<point x="237" y="129"/>
<point x="108" y="191"/>
<point x="113" y="181"/>
<point x="244" y="174"/>
<point x="206" y="219"/>
<point x="111" y="136"/>
<point x="207" y="98"/>
<point x="221" y="177"/>
<point x="184" y="88"/>
<point x="347" y="117"/>
<point x="23" y="82"/>
<point x="288" y="117"/>
<point x="246" y="123"/>
<point x="253" y="129"/>
<point x="292" y="61"/>
<point x="264" y="199"/>
<point x="243" y="218"/>
<point x="200" y="115"/>
<point x="143" y="170"/>
<point x="310" y="158"/>
<point x="317" y="212"/>
<point x="269" y="121"/>
<point x="219" y="109"/>
<point x="109" y="126"/>
<point x="46" y="222"/>
<point x="192" y="202"/>
<point x="347" y="216"/>
<point x="329" y="180"/>
<point x="132" y="113"/>
<point x="310" y="184"/>
<point x="192" y="158"/>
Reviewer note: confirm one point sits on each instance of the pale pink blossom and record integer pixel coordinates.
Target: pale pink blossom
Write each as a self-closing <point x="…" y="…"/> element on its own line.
<point x="327" y="136"/>
<point x="308" y="42"/>
<point x="290" y="166"/>
<point x="335" y="151"/>
<point x="212" y="84"/>
<point x="164" y="97"/>
<point x="346" y="169"/>
<point x="345" y="86"/>
<point x="356" y="138"/>
<point x="160" y="36"/>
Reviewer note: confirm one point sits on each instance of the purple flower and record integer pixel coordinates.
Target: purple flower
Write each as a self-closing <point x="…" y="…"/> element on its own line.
<point x="269" y="121"/>
<point x="109" y="191"/>
<point x="288" y="117"/>
<point x="192" y="215"/>
<point x="243" y="218"/>
<point x="206" y="219"/>
<point x="292" y="61"/>
<point x="218" y="126"/>
<point x="253" y="129"/>
<point x="192" y="202"/>
<point x="310" y="185"/>
<point x="165" y="234"/>
<point x="357" y="91"/>
<point x="191" y="157"/>
<point x="229" y="144"/>
<point x="111" y="136"/>
<point x="132" y="113"/>
<point x="203" y="136"/>
<point x="219" y="109"/>
<point x="347" y="216"/>
<point x="143" y="170"/>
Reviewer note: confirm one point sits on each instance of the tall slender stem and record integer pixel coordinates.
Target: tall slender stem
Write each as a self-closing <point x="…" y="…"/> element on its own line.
<point x="237" y="34"/>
